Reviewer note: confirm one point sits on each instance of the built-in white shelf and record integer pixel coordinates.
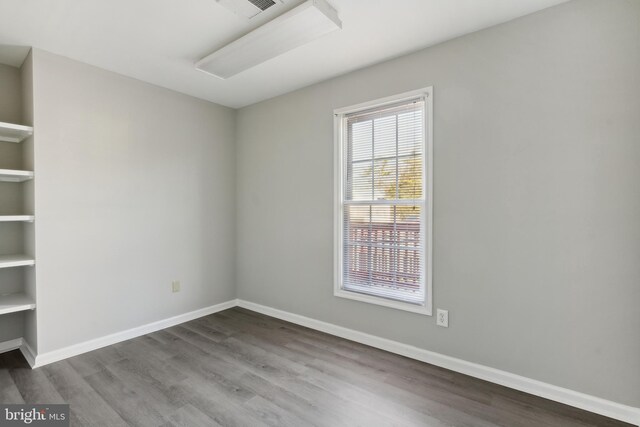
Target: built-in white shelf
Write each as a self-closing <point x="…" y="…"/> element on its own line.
<point x="7" y="261"/>
<point x="17" y="218"/>
<point x="14" y="133"/>
<point x="11" y="303"/>
<point x="10" y="175"/>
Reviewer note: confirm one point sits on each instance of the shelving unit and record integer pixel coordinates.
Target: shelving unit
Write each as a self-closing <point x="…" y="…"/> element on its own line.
<point x="12" y="303"/>
<point x="10" y="132"/>
<point x="17" y="294"/>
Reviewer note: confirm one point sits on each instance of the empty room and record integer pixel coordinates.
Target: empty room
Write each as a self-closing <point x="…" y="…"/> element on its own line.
<point x="320" y="213"/>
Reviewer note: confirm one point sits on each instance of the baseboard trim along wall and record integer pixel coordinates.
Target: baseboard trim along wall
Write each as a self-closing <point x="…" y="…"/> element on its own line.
<point x="548" y="391"/>
<point x="28" y="353"/>
<point x="10" y="345"/>
<point x="84" y="347"/>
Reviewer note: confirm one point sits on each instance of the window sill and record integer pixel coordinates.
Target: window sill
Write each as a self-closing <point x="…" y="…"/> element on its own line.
<point x="398" y="305"/>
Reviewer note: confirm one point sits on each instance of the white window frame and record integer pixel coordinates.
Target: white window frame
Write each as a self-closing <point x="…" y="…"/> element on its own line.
<point x="339" y="176"/>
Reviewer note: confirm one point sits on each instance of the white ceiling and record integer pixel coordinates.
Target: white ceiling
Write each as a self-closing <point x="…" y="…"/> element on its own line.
<point x="158" y="41"/>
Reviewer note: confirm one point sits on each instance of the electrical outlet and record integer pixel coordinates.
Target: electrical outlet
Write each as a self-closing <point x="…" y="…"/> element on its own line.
<point x="175" y="286"/>
<point x="442" y="318"/>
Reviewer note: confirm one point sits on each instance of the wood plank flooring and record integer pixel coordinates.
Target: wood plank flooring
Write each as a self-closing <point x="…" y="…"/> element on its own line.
<point x="240" y="368"/>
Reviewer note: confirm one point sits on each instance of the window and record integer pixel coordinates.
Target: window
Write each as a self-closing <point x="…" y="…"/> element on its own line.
<point x="384" y="202"/>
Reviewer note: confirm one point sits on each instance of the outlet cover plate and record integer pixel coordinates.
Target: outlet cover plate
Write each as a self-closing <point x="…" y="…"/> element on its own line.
<point x="442" y="318"/>
<point x="175" y="286"/>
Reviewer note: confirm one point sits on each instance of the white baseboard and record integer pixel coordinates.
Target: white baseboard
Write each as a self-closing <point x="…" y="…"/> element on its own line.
<point x="84" y="347"/>
<point x="10" y="345"/>
<point x="548" y="391"/>
<point x="28" y="353"/>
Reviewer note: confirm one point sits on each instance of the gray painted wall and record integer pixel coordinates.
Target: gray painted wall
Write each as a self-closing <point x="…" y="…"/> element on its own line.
<point x="11" y="99"/>
<point x="537" y="198"/>
<point x="134" y="188"/>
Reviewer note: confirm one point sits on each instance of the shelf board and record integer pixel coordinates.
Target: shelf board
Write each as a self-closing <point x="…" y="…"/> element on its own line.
<point x="10" y="175"/>
<point x="11" y="303"/>
<point x="16" y="218"/>
<point x="14" y="133"/>
<point x="7" y="261"/>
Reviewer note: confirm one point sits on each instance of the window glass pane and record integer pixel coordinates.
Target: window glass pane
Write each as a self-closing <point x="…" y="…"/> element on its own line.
<point x="385" y="179"/>
<point x="410" y="133"/>
<point x="408" y="226"/>
<point x="410" y="253"/>
<point x="357" y="223"/>
<point x="382" y="225"/>
<point x="360" y="181"/>
<point x="361" y="140"/>
<point x="410" y="177"/>
<point x="384" y="137"/>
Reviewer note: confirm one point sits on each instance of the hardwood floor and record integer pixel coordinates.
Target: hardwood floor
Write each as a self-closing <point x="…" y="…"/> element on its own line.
<point x="240" y="368"/>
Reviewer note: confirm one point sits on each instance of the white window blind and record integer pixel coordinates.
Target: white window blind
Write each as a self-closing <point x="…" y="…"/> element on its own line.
<point x="383" y="202"/>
